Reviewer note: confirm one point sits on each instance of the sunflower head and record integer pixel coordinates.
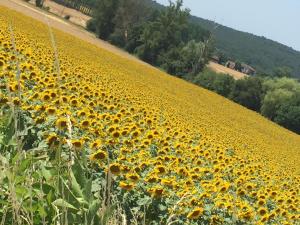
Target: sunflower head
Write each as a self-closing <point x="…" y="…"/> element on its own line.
<point x="99" y="155"/>
<point x="128" y="186"/>
<point x="62" y="123"/>
<point x="77" y="144"/>
<point x="115" y="168"/>
<point x="196" y="213"/>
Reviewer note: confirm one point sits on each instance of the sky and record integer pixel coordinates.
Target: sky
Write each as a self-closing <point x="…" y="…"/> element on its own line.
<point x="278" y="20"/>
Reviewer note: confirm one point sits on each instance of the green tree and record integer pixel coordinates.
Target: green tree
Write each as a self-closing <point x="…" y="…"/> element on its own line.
<point x="164" y="33"/>
<point x="104" y="12"/>
<point x="277" y="92"/>
<point x="273" y="100"/>
<point x="206" y="79"/>
<point x="238" y="66"/>
<point x="171" y="62"/>
<point x="223" y="84"/>
<point x="129" y="15"/>
<point x="39" y="3"/>
<point x="283" y="72"/>
<point x="195" y="55"/>
<point x="196" y="32"/>
<point x="288" y="114"/>
<point x="222" y="58"/>
<point x="190" y="59"/>
<point x="248" y="92"/>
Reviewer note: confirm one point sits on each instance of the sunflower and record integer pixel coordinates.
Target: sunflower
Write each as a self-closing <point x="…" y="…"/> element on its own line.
<point x="46" y="97"/>
<point x="77" y="144"/>
<point x="16" y="101"/>
<point x="160" y="170"/>
<point x="247" y="215"/>
<point x="39" y="120"/>
<point x="261" y="202"/>
<point x="61" y="123"/>
<point x="262" y="211"/>
<point x="85" y="123"/>
<point x="126" y="186"/>
<point x="116" y="134"/>
<point x="196" y="213"/>
<point x="225" y="187"/>
<point x="115" y="168"/>
<point x="51" y="110"/>
<point x="74" y="102"/>
<point x="167" y="182"/>
<point x="3" y="99"/>
<point x="99" y="155"/>
<point x="82" y="113"/>
<point x="14" y="87"/>
<point x="52" y="139"/>
<point x="133" y="177"/>
<point x="96" y="144"/>
<point x="156" y="192"/>
<point x="151" y="179"/>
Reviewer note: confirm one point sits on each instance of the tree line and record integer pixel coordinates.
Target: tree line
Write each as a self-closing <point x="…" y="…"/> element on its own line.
<point x="164" y="38"/>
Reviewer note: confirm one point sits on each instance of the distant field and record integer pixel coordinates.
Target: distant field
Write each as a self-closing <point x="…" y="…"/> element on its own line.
<point x="222" y="69"/>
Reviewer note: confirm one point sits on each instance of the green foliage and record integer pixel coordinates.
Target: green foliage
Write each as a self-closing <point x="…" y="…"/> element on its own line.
<point x="223" y="84"/>
<point x="104" y="11"/>
<point x="171" y="61"/>
<point x="219" y="83"/>
<point x="248" y="92"/>
<point x="272" y="101"/>
<point x="164" y="33"/>
<point x="238" y="66"/>
<point x="206" y="79"/>
<point x="36" y="189"/>
<point x="282" y="72"/>
<point x="195" y="56"/>
<point x="281" y="102"/>
<point x="129" y="15"/>
<point x="288" y="114"/>
<point x="39" y="3"/>
<point x="161" y="37"/>
<point x="91" y="25"/>
<point x="261" y="53"/>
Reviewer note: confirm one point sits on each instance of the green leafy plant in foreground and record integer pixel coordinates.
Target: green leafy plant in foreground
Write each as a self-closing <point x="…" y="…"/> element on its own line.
<point x="37" y="190"/>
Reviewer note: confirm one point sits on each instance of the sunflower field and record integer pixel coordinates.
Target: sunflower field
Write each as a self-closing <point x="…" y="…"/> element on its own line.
<point x="165" y="151"/>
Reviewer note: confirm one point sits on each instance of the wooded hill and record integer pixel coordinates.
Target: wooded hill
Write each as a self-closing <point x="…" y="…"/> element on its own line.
<point x="263" y="54"/>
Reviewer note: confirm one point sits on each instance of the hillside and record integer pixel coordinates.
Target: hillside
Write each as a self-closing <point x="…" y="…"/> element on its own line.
<point x="261" y="53"/>
<point x="156" y="142"/>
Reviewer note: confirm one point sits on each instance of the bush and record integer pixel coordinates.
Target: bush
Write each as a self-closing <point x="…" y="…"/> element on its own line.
<point x="91" y="25"/>
<point x="248" y="92"/>
<point x="67" y="17"/>
<point x="39" y="3"/>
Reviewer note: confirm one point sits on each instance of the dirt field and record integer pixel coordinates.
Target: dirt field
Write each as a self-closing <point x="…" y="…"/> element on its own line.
<point x="222" y="69"/>
<point x="62" y="11"/>
<point x="65" y="26"/>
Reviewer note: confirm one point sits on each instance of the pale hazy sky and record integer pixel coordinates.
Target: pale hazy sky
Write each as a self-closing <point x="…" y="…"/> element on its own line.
<point x="278" y="20"/>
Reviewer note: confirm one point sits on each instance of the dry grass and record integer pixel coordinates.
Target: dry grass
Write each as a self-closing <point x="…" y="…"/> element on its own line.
<point x="222" y="69"/>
